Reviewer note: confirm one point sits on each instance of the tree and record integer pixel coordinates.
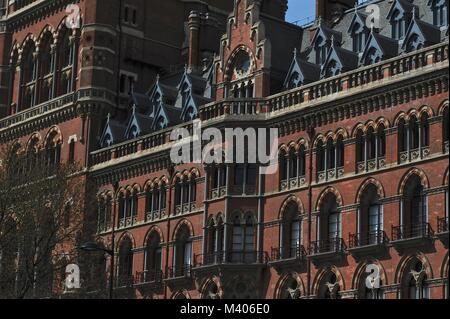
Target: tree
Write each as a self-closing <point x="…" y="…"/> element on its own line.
<point x="42" y="205"/>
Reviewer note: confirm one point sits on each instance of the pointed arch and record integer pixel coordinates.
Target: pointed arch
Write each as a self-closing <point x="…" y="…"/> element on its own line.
<point x="405" y="262"/>
<point x="125" y="236"/>
<point x="414" y="171"/>
<point x="291" y="199"/>
<point x="365" y="184"/>
<point x="183" y="223"/>
<point x="321" y="278"/>
<point x="328" y="190"/>
<point x="360" y="272"/>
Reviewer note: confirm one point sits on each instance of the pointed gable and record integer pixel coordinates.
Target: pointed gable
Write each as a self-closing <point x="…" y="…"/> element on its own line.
<point x="338" y="61"/>
<point x="166" y="116"/>
<point x="112" y="133"/>
<point x="404" y="6"/>
<point x="321" y="42"/>
<point x="138" y="124"/>
<point x="301" y="72"/>
<point x="190" y="84"/>
<point x="378" y="47"/>
<point x="420" y="34"/>
<point x="161" y="94"/>
<point x="359" y="18"/>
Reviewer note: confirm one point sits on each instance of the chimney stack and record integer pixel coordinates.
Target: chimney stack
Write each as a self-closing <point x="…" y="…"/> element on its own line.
<point x="332" y="10"/>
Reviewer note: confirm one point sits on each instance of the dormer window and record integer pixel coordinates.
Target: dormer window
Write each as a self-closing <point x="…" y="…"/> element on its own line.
<point x="398" y="23"/>
<point x="134" y="132"/>
<point x="294" y="81"/>
<point x="333" y="69"/>
<point x="414" y="43"/>
<point x="108" y="141"/>
<point x="440" y="12"/>
<point x="359" y="38"/>
<point x="373" y="56"/>
<point x="321" y="50"/>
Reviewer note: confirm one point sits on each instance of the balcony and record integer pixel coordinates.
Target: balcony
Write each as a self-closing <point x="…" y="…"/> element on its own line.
<point x="179" y="277"/>
<point x="327" y="250"/>
<point x="232" y="261"/>
<point x="442" y="232"/>
<point x="368" y="244"/>
<point x="149" y="279"/>
<point x="411" y="236"/>
<point x="288" y="258"/>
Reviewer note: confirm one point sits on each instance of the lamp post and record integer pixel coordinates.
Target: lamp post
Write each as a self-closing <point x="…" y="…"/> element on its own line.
<point x="92" y="247"/>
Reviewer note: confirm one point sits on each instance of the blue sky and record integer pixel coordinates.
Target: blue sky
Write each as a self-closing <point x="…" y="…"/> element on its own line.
<point x="301" y="10"/>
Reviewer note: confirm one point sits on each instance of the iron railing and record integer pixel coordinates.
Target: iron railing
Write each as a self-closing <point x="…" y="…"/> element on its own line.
<point x="149" y="276"/>
<point x="282" y="253"/>
<point x="179" y="272"/>
<point x="402" y="232"/>
<point x="231" y="257"/>
<point x="330" y="245"/>
<point x="378" y="237"/>
<point x="442" y="225"/>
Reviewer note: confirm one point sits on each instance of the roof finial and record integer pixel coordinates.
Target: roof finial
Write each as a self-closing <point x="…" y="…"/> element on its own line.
<point x="108" y="117"/>
<point x="332" y="40"/>
<point x="295" y="52"/>
<point x="134" y="108"/>
<point x="414" y="12"/>
<point x="157" y="77"/>
<point x="356" y="6"/>
<point x="320" y="21"/>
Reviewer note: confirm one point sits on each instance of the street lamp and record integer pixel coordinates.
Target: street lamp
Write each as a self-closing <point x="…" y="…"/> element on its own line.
<point x="93" y="247"/>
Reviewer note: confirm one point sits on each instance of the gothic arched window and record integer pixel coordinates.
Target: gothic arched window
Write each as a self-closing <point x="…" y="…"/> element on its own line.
<point x="373" y="56"/>
<point x="414" y="209"/>
<point x="440" y="12"/>
<point x="329" y="225"/>
<point x="153" y="258"/>
<point x="414" y="43"/>
<point x="329" y="286"/>
<point x="414" y="281"/>
<point x="333" y="69"/>
<point x="370" y="217"/>
<point x="125" y="271"/>
<point x="243" y="240"/>
<point x="65" y="64"/>
<point x="290" y="241"/>
<point x="183" y="252"/>
<point x="359" y="38"/>
<point x="398" y="24"/>
<point x="321" y="50"/>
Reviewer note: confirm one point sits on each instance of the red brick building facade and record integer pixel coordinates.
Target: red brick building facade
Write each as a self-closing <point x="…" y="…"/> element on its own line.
<point x="362" y="115"/>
